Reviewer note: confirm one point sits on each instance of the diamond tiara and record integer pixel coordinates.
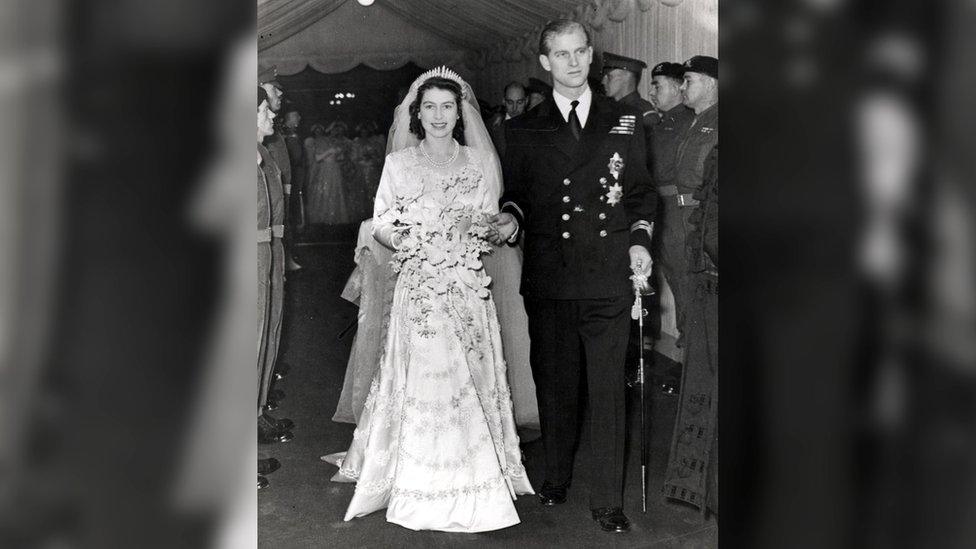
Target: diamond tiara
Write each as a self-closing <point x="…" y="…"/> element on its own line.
<point x="444" y="72"/>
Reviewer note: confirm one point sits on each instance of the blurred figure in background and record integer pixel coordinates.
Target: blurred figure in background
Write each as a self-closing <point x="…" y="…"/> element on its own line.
<point x="515" y="103"/>
<point x="295" y="208"/>
<point x="329" y="198"/>
<point x="368" y="152"/>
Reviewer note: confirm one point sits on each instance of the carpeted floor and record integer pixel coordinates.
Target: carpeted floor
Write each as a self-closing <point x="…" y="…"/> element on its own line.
<point x="303" y="509"/>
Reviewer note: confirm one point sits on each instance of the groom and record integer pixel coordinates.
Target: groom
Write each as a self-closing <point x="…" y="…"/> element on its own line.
<point x="578" y="188"/>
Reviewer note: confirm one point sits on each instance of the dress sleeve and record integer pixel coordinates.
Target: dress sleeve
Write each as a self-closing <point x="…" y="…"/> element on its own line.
<point x="492" y="188"/>
<point x="384" y="208"/>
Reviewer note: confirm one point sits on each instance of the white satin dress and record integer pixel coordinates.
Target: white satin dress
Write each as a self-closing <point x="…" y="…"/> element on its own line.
<point x="436" y="444"/>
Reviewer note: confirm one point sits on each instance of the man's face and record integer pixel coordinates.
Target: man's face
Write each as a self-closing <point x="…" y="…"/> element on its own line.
<point x="515" y="101"/>
<point x="614" y="82"/>
<point x="265" y="120"/>
<point x="665" y="92"/>
<point x="293" y="119"/>
<point x="698" y="89"/>
<point x="274" y="96"/>
<point x="568" y="59"/>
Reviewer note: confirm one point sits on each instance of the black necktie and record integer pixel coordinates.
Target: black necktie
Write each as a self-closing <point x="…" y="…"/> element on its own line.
<point x="574" y="123"/>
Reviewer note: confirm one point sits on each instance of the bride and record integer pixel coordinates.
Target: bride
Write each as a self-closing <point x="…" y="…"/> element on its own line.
<point x="436" y="444"/>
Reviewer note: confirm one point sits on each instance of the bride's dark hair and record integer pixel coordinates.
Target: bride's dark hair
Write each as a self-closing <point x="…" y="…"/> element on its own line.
<point x="416" y="127"/>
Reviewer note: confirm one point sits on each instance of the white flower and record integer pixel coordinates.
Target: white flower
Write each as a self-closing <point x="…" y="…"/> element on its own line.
<point x="614" y="194"/>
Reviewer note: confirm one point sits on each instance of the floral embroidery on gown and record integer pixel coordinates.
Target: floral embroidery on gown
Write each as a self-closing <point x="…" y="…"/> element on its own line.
<point x="436" y="444"/>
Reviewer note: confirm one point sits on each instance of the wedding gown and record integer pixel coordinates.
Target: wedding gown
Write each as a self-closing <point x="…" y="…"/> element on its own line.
<point x="436" y="444"/>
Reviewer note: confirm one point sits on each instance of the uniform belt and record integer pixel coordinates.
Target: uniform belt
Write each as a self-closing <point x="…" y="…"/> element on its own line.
<point x="684" y="199"/>
<point x="276" y="231"/>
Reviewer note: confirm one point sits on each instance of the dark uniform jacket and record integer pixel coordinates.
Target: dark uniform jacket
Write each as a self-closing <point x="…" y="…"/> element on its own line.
<point x="703" y="241"/>
<point x="649" y="113"/>
<point x="666" y="133"/>
<point x="580" y="205"/>
<point x="279" y="151"/>
<point x="698" y="141"/>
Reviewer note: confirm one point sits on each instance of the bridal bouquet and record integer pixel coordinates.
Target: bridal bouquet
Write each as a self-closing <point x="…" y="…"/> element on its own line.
<point x="436" y="256"/>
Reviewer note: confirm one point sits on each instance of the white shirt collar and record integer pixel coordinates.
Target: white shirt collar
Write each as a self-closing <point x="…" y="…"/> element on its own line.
<point x="582" y="110"/>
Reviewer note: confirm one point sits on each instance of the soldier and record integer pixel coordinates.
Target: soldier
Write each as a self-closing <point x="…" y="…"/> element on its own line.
<point x="276" y="145"/>
<point x="271" y="266"/>
<point x="577" y="186"/>
<point x="699" y="92"/>
<point x="672" y="121"/>
<point x="621" y="75"/>
<point x="693" y="465"/>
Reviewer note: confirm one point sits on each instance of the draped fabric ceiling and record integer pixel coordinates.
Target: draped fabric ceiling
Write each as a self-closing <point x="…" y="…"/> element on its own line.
<point x="472" y="24"/>
<point x="473" y="33"/>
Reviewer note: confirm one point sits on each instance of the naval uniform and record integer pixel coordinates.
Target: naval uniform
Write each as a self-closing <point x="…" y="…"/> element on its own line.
<point x="580" y="205"/>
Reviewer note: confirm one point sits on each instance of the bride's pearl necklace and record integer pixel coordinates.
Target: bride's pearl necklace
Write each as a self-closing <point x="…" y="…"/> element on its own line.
<point x="449" y="161"/>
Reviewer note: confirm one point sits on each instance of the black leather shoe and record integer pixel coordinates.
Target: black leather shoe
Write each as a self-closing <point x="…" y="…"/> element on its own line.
<point x="611" y="519"/>
<point x="551" y="494"/>
<point x="275" y="436"/>
<point x="262" y="482"/>
<point x="268" y="466"/>
<point x="271" y="422"/>
<point x="270" y="435"/>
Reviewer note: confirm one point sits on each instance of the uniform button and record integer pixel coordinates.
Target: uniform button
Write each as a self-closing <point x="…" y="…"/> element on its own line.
<point x="603" y="233"/>
<point x="566" y="234"/>
<point x="565" y="199"/>
<point x="565" y="217"/>
<point x="603" y="180"/>
<point x="566" y="181"/>
<point x="602" y="215"/>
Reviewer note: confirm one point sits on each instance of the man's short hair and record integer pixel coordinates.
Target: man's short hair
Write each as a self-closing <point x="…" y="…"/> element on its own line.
<point x="560" y="26"/>
<point x="514" y="84"/>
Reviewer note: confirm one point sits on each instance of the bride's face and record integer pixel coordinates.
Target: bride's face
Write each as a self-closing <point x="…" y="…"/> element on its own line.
<point x="438" y="112"/>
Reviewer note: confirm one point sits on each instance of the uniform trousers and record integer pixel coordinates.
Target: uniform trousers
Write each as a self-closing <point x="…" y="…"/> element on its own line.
<point x="275" y="292"/>
<point x="562" y="334"/>
<point x="675" y="227"/>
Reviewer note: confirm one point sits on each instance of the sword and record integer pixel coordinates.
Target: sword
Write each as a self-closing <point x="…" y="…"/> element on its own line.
<point x="638" y="313"/>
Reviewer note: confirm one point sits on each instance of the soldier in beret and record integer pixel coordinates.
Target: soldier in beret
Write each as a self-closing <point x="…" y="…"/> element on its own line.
<point x="699" y="92"/>
<point x="666" y="132"/>
<point x="577" y="187"/>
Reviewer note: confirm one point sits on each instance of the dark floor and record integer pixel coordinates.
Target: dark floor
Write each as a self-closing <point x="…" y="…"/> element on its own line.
<point x="303" y="509"/>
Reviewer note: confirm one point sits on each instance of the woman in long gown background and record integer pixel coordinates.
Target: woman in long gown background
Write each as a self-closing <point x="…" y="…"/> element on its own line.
<point x="368" y="150"/>
<point x="436" y="444"/>
<point x="328" y="196"/>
